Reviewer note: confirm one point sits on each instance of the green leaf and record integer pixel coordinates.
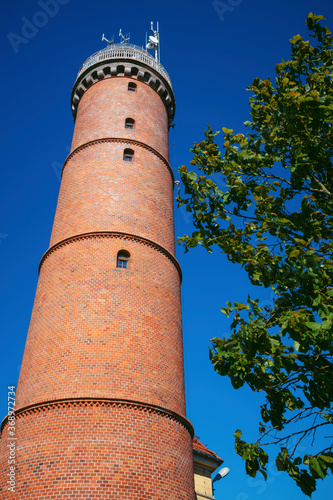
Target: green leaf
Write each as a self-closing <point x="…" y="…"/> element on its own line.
<point x="238" y="434"/>
<point x="327" y="458"/>
<point x="296" y="39"/>
<point x="192" y="175"/>
<point x="316" y="468"/>
<point x="295" y="253"/>
<point x="314" y="326"/>
<point x="239" y="306"/>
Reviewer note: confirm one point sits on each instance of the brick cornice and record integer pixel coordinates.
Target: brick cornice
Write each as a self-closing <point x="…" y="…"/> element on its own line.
<point x="122" y="140"/>
<point x="124" y="67"/>
<point x="112" y="234"/>
<point x="105" y="403"/>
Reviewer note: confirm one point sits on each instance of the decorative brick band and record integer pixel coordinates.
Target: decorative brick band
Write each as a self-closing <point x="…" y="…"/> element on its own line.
<point x="112" y="234"/>
<point x="105" y="403"/>
<point x="121" y="140"/>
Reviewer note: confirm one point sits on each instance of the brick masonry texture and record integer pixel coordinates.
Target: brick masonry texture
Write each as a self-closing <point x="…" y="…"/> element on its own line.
<point x="94" y="452"/>
<point x="102" y="333"/>
<point x="102" y="192"/>
<point x="104" y="107"/>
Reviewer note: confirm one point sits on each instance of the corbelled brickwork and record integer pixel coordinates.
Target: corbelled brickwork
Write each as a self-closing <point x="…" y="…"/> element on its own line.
<point x="100" y="400"/>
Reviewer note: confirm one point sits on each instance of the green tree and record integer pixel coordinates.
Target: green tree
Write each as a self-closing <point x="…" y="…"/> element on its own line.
<point x="274" y="216"/>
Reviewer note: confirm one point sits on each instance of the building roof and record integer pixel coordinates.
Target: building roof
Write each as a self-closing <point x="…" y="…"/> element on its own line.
<point x="199" y="447"/>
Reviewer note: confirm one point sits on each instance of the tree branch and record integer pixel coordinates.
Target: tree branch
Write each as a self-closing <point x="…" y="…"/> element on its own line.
<point x="323" y="188"/>
<point x="286" y="438"/>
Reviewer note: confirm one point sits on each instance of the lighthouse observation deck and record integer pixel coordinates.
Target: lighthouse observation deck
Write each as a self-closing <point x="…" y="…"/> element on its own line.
<point x="124" y="60"/>
<point x="126" y="51"/>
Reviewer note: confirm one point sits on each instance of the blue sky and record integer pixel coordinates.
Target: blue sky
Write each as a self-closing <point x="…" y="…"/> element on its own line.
<point x="211" y="57"/>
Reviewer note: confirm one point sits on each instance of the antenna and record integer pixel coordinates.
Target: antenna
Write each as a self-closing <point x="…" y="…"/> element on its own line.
<point x="159" y="43"/>
<point x="125" y="39"/>
<point x="110" y="42"/>
<point x="154" y="41"/>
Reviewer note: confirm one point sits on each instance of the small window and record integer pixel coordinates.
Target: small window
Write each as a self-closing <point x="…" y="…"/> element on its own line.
<point x="123" y="259"/>
<point x="132" y="87"/>
<point x="128" y="155"/>
<point x="129" y="123"/>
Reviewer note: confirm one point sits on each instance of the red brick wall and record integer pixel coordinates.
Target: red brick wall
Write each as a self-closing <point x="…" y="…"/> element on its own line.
<point x="101" y="331"/>
<point x="102" y="192"/>
<point x="105" y="106"/>
<point x="100" y="452"/>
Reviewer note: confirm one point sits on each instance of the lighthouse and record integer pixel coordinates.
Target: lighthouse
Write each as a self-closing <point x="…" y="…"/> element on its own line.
<point x="100" y="404"/>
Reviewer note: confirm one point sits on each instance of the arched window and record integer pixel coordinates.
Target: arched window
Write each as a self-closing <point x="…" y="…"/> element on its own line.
<point x="123" y="258"/>
<point x="129" y="123"/>
<point x="128" y="154"/>
<point x="132" y="87"/>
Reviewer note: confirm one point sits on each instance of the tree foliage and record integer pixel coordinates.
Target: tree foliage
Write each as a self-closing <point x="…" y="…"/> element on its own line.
<point x="266" y="201"/>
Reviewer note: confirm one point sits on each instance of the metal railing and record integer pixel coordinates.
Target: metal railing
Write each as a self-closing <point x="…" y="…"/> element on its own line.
<point x="127" y="51"/>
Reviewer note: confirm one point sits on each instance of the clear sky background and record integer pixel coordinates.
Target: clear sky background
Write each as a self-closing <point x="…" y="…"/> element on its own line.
<point x="211" y="57"/>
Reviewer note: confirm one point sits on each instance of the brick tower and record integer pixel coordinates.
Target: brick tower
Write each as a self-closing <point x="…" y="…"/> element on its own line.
<point x="100" y="409"/>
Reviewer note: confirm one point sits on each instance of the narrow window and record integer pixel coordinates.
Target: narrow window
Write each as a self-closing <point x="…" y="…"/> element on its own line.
<point x="129" y="123"/>
<point x="132" y="87"/>
<point x="128" y="154"/>
<point x="123" y="259"/>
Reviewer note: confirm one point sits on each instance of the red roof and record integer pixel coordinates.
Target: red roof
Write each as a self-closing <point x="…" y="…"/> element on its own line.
<point x="198" y="446"/>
